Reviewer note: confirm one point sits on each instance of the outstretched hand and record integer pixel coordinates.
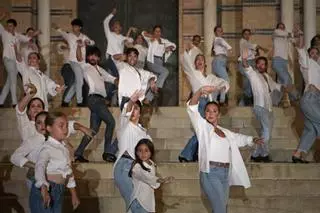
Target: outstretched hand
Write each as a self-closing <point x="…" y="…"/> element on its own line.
<point x="206" y="90"/>
<point x="136" y="95"/>
<point x="258" y="141"/>
<point x="30" y="89"/>
<point x="114" y="11"/>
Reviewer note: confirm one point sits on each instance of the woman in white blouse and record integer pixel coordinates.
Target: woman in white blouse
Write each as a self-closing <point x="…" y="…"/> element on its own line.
<point x="139" y="44"/>
<point x="220" y="161"/>
<point x="129" y="134"/>
<point x="219" y="64"/>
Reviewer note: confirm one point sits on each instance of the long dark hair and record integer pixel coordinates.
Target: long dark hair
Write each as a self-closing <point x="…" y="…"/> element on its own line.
<point x="150" y="146"/>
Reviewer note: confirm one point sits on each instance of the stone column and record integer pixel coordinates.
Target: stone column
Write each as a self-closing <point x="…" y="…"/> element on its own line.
<point x="309" y="20"/>
<point x="209" y="22"/>
<point x="44" y="24"/>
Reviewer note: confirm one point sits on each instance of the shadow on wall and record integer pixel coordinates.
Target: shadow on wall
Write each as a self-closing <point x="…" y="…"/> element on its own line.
<point x="8" y="201"/>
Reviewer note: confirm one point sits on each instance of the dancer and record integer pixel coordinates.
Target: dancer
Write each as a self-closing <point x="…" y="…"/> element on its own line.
<point x="95" y="77"/>
<point x="139" y="44"/>
<point x="218" y="152"/>
<point x="159" y="51"/>
<point x="197" y="76"/>
<point x="143" y="173"/>
<point x="29" y="47"/>
<point x="130" y="132"/>
<point x="194" y="49"/>
<point x="219" y="64"/>
<point x="53" y="169"/>
<point x="310" y="101"/>
<point x="73" y="39"/>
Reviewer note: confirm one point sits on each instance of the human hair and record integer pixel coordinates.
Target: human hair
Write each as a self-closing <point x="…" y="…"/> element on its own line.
<point x="93" y="50"/>
<point x="77" y="22"/>
<point x="155" y="27"/>
<point x="280" y="23"/>
<point x="132" y="49"/>
<point x="50" y="119"/>
<point x="29" y="28"/>
<point x="196" y="36"/>
<point x="150" y="146"/>
<point x="35" y="53"/>
<point x="35" y="99"/>
<point x="212" y="103"/>
<point x="216" y="28"/>
<point x="43" y="113"/>
<point x="245" y="30"/>
<point x="262" y="58"/>
<point x="12" y="21"/>
<point x="313" y="48"/>
<point x="313" y="41"/>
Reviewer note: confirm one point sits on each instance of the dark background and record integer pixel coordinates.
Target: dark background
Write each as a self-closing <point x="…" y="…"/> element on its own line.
<point x="143" y="14"/>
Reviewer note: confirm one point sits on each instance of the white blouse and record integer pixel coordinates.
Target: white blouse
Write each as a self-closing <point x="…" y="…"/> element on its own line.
<point x="252" y="49"/>
<point x="54" y="158"/>
<point x="143" y="51"/>
<point x="144" y="183"/>
<point x="204" y="130"/>
<point x="280" y="43"/>
<point x="220" y="46"/>
<point x="219" y="149"/>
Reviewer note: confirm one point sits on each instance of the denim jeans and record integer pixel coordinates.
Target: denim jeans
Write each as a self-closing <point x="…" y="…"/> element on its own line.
<point x="68" y="77"/>
<point x="56" y="192"/>
<point x="265" y="118"/>
<point x="76" y="88"/>
<point x="215" y="185"/>
<point x="190" y="151"/>
<point x="158" y="68"/>
<point x="309" y="104"/>
<point x="280" y="66"/>
<point x="219" y="68"/>
<point x="247" y="90"/>
<point x="136" y="207"/>
<point x="122" y="179"/>
<point x="11" y="82"/>
<point x="99" y="113"/>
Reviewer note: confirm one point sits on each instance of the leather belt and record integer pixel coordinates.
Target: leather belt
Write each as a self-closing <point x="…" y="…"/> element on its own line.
<point x="219" y="164"/>
<point x="127" y="156"/>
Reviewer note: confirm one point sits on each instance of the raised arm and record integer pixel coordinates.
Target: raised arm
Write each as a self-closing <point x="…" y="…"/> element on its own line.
<point x="31" y="91"/>
<point x="106" y="22"/>
<point x="64" y="34"/>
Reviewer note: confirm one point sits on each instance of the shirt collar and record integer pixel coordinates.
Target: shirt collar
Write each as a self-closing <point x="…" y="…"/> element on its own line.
<point x="54" y="141"/>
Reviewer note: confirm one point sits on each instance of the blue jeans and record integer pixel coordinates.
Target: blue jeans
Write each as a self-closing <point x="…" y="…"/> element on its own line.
<point x="215" y="185"/>
<point x="56" y="192"/>
<point x="76" y="88"/>
<point x="11" y="82"/>
<point x="265" y="118"/>
<point x="99" y="113"/>
<point x="247" y="90"/>
<point x="280" y="66"/>
<point x="310" y="106"/>
<point x="190" y="151"/>
<point x="122" y="179"/>
<point x="219" y="68"/>
<point x="136" y="207"/>
<point x="68" y="78"/>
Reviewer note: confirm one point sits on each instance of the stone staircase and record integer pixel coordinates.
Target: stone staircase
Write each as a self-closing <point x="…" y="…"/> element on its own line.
<point x="276" y="187"/>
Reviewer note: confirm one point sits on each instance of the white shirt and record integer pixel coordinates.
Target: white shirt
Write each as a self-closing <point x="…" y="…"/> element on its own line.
<point x="220" y="46"/>
<point x="157" y="49"/>
<point x="95" y="77"/>
<point x="260" y="88"/>
<point x="193" y="52"/>
<point x="26" y="49"/>
<point x="197" y="79"/>
<point x="247" y="45"/>
<point x="143" y="51"/>
<point x="144" y="183"/>
<point x="28" y="129"/>
<point x="115" y="41"/>
<point x="54" y="158"/>
<point x="219" y="149"/>
<point x="309" y="68"/>
<point x="72" y="42"/>
<point x="204" y="130"/>
<point x="61" y="49"/>
<point x="280" y="43"/>
<point x="132" y="79"/>
<point x="28" y="151"/>
<point x="129" y="134"/>
<point x="41" y="81"/>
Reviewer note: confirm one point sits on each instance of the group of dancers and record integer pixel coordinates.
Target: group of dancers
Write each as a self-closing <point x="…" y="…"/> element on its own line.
<point x="45" y="150"/>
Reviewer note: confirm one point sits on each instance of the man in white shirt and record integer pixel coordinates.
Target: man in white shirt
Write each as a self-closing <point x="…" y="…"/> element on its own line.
<point x="73" y="39"/>
<point x="95" y="76"/>
<point x="9" y="38"/>
<point x="265" y="93"/>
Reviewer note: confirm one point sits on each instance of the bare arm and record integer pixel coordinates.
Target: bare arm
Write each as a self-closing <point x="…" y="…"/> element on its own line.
<point x="79" y="52"/>
<point x="27" y="98"/>
<point x="206" y="90"/>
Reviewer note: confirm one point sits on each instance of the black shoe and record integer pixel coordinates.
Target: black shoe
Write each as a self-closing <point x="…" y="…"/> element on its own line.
<point x="298" y="160"/>
<point x="256" y="159"/>
<point x="183" y="160"/>
<point x="80" y="159"/>
<point x="109" y="157"/>
<point x="64" y="104"/>
<point x="266" y="159"/>
<point x="81" y="105"/>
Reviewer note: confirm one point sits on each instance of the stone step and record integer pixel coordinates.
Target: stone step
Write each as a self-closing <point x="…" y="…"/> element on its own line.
<point x="180" y="204"/>
<point x="185" y="171"/>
